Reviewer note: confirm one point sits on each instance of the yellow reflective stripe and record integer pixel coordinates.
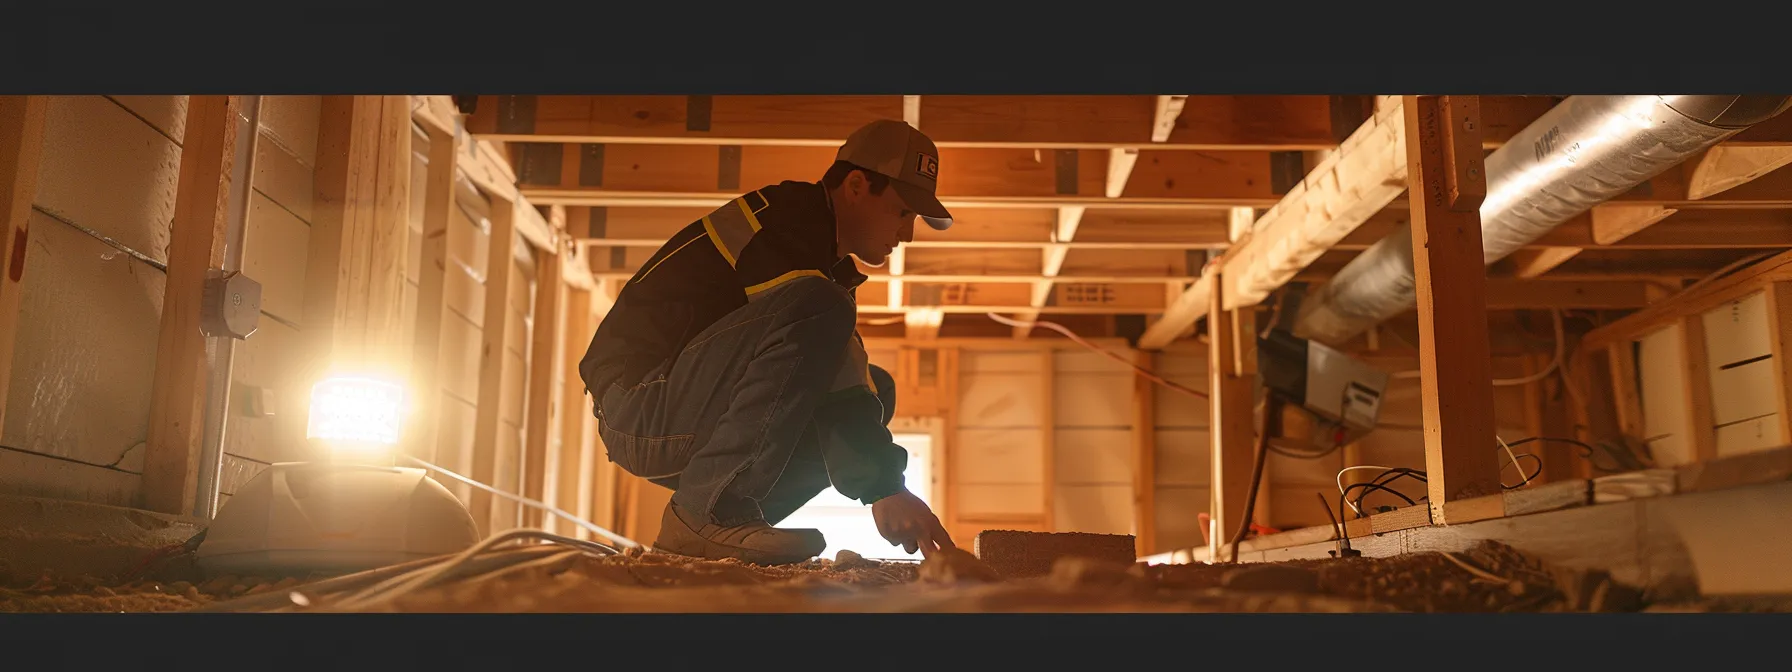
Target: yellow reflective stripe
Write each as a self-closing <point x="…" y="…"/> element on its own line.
<point x="774" y="282"/>
<point x="751" y="220"/>
<point x="717" y="239"/>
<point x="669" y="256"/>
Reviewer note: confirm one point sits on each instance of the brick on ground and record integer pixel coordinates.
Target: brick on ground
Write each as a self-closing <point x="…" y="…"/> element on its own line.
<point x="1017" y="554"/>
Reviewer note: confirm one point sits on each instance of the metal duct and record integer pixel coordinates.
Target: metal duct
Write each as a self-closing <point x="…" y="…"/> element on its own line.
<point x="1583" y="152"/>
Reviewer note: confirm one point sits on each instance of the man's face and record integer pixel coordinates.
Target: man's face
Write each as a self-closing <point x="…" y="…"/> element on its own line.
<point x="871" y="225"/>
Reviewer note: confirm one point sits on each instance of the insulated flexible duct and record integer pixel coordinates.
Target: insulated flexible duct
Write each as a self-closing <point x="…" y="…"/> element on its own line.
<point x="1583" y="152"/>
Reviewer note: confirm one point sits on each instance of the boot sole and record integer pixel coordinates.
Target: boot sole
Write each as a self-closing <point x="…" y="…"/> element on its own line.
<point x="704" y="549"/>
<point x="674" y="538"/>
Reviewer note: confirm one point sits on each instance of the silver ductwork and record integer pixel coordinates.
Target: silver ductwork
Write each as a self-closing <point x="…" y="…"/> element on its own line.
<point x="1583" y="152"/>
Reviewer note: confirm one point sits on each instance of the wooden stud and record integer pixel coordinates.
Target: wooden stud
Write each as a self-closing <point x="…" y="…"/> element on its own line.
<point x="432" y="295"/>
<point x="1230" y="401"/>
<point x="541" y="463"/>
<point x="21" y="146"/>
<point x="1627" y="399"/>
<point x="1144" y="456"/>
<point x="1048" y="434"/>
<point x="1447" y="181"/>
<point x="1696" y="363"/>
<point x="1779" y="331"/>
<point x="948" y="403"/>
<point x="488" y="420"/>
<point x="577" y="465"/>
<point x="355" y="276"/>
<point x="177" y="405"/>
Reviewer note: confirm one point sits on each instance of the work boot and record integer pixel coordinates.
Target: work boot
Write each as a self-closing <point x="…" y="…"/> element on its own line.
<point x="754" y="542"/>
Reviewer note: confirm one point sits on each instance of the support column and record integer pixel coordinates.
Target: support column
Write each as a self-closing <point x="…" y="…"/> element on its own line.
<point x="488" y="421"/>
<point x="1446" y="182"/>
<point x="541" y="462"/>
<point x="21" y="146"/>
<point x="1231" y="374"/>
<point x="432" y="296"/>
<point x="1144" y="460"/>
<point x="201" y="213"/>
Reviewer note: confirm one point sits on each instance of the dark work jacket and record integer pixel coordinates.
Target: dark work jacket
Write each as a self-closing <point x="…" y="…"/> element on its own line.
<point x="707" y="270"/>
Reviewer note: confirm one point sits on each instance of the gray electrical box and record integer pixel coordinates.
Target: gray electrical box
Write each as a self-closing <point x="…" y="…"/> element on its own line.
<point x="1341" y="393"/>
<point x="232" y="305"/>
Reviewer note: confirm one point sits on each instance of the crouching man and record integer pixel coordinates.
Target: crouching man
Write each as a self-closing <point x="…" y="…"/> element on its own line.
<point x="730" y="369"/>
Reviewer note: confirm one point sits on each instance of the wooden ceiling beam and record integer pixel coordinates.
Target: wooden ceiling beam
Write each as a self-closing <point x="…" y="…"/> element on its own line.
<point x="1015" y="298"/>
<point x="1341" y="193"/>
<point x="571" y="174"/>
<point x="1260" y="122"/>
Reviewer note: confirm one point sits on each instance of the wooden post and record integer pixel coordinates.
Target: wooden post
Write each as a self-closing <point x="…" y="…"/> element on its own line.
<point x="1446" y="185"/>
<point x="1144" y="451"/>
<point x="1779" y="336"/>
<point x="432" y="296"/>
<point x="1048" y="435"/>
<point x="354" y="278"/>
<point x="21" y="145"/>
<point x="541" y="463"/>
<point x="488" y="420"/>
<point x="177" y="406"/>
<point x="1701" y="428"/>
<point x="1230" y="391"/>
<point x="1627" y="400"/>
<point x="946" y="504"/>
<point x="578" y="460"/>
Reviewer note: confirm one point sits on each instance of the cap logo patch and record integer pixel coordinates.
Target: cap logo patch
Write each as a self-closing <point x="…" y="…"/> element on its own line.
<point x="928" y="167"/>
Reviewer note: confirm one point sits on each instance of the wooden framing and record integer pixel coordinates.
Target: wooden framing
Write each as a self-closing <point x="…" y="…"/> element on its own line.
<point x="1757" y="468"/>
<point x="1144" y="455"/>
<point x="1697" y="371"/>
<point x="1448" y="182"/>
<point x="488" y="420"/>
<point x="21" y="147"/>
<point x="432" y="295"/>
<point x="541" y="462"/>
<point x="1231" y="372"/>
<point x="1048" y="425"/>
<point x="177" y="405"/>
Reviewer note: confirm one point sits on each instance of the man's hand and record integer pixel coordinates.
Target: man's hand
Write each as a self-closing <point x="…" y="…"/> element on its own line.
<point x="903" y="519"/>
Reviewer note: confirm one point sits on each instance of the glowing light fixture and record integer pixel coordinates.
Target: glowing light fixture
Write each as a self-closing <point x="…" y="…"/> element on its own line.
<point x="351" y="512"/>
<point x="356" y="415"/>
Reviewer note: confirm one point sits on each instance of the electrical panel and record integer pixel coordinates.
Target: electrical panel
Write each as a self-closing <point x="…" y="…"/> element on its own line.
<point x="1341" y="393"/>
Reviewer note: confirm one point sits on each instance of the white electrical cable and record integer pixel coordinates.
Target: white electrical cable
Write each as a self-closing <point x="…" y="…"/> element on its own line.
<point x="1515" y="464"/>
<point x="594" y="528"/>
<point x="1340" y="481"/>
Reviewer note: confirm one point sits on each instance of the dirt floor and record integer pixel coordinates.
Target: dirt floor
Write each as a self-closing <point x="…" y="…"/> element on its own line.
<point x="1491" y="578"/>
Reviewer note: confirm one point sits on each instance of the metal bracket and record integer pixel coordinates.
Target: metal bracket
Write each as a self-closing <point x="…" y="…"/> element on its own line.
<point x="232" y="305"/>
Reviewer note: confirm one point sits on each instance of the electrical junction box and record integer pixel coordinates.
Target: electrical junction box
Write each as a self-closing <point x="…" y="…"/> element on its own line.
<point x="1341" y="393"/>
<point x="232" y="305"/>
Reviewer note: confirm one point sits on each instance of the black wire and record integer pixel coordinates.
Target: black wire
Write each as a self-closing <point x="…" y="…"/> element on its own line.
<point x="1378" y="483"/>
<point x="1527" y="479"/>
<point x="1369" y="487"/>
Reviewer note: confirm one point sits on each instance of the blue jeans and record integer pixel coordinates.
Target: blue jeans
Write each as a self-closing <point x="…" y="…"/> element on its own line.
<point x="728" y="426"/>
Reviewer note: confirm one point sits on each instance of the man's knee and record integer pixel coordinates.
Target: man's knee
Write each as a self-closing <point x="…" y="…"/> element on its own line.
<point x="885" y="388"/>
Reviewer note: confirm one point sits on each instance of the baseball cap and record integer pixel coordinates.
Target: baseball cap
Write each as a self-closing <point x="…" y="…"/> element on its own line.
<point x="904" y="154"/>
